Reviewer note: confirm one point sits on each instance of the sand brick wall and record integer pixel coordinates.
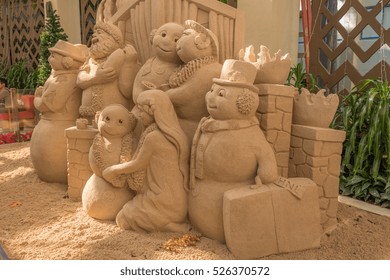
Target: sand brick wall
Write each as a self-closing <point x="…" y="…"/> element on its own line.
<point x="78" y="141"/>
<point x="275" y="116"/>
<point x="316" y="154"/>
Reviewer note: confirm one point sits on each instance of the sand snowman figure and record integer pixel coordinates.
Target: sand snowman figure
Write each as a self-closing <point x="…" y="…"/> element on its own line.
<point x="155" y="73"/>
<point x="229" y="150"/>
<point x="58" y="101"/>
<point x="115" y="143"/>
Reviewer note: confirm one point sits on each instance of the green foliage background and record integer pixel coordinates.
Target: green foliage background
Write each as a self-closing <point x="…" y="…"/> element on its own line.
<point x="20" y="75"/>
<point x="365" y="168"/>
<point x="298" y="78"/>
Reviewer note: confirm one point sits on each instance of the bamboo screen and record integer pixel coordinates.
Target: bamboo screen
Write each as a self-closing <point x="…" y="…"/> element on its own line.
<point x="348" y="42"/>
<point x="21" y="24"/>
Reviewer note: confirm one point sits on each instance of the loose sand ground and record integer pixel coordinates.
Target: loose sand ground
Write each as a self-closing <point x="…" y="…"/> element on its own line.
<point x="37" y="221"/>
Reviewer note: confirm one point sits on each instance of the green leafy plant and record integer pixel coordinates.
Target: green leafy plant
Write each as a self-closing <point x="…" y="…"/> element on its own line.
<point x="49" y="37"/>
<point x="365" y="168"/>
<point x="32" y="79"/>
<point x="298" y="78"/>
<point x="21" y="75"/>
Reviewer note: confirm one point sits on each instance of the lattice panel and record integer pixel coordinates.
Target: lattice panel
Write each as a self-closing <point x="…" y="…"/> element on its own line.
<point x="88" y="10"/>
<point x="3" y="25"/>
<point x="24" y="23"/>
<point x="337" y="49"/>
<point x="4" y="42"/>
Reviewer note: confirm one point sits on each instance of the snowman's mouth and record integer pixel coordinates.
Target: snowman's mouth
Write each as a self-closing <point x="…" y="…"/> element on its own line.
<point x="164" y="50"/>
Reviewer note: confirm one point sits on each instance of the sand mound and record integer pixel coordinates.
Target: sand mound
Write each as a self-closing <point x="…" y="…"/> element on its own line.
<point x="37" y="221"/>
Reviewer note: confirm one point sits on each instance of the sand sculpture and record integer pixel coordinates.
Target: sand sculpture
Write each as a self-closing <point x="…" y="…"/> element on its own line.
<point x="108" y="75"/>
<point x="235" y="194"/>
<point x="155" y="73"/>
<point x="198" y="50"/>
<point x="115" y="143"/>
<point x="234" y="181"/>
<point x="182" y="60"/>
<point x="161" y="203"/>
<point x="229" y="150"/>
<point x="270" y="70"/>
<point x="308" y="106"/>
<point x="107" y="8"/>
<point x="58" y="101"/>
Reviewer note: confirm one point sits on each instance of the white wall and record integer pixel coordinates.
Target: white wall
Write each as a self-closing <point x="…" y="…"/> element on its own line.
<point x="69" y="13"/>
<point x="272" y="23"/>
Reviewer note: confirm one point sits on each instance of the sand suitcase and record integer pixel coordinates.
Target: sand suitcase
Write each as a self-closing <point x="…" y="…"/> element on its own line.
<point x="276" y="218"/>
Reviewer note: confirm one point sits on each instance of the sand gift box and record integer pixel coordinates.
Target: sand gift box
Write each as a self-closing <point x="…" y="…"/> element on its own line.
<point x="276" y="218"/>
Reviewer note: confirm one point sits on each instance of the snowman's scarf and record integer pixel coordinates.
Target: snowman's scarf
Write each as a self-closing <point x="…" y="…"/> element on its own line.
<point x="183" y="73"/>
<point x="207" y="127"/>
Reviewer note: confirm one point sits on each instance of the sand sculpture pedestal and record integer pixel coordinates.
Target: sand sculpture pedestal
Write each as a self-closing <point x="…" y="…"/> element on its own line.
<point x="316" y="154"/>
<point x="275" y="115"/>
<point x="302" y="151"/>
<point x="79" y="142"/>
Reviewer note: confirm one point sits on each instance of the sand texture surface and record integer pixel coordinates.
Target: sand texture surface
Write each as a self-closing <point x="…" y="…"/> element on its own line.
<point x="38" y="221"/>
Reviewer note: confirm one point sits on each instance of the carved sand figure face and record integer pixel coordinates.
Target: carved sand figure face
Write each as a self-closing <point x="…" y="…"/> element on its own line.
<point x="164" y="41"/>
<point x="230" y="103"/>
<point x="115" y="121"/>
<point x="55" y="61"/>
<point x="192" y="45"/>
<point x="145" y="114"/>
<point x="103" y="44"/>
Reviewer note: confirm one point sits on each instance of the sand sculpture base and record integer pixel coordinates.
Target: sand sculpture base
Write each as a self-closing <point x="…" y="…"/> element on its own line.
<point x="275" y="115"/>
<point x="79" y="142"/>
<point x="316" y="154"/>
<point x="103" y="201"/>
<point x="48" y="150"/>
